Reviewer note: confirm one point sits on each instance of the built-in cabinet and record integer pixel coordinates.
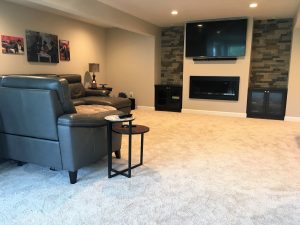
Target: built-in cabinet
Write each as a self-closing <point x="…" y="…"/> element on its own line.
<point x="168" y="98"/>
<point x="266" y="103"/>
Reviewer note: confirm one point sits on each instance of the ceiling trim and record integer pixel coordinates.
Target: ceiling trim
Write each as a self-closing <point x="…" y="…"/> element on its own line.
<point x="94" y="12"/>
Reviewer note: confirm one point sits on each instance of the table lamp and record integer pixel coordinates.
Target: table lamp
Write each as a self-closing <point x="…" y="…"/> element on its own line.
<point x="94" y="67"/>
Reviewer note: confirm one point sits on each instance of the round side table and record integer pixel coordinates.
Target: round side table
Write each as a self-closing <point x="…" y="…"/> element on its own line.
<point x="114" y="125"/>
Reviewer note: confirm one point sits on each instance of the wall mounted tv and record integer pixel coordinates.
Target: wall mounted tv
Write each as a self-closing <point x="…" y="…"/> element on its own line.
<point x="216" y="39"/>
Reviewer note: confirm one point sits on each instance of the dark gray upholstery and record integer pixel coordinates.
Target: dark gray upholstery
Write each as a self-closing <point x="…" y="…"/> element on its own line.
<point x="77" y="102"/>
<point x="76" y="88"/>
<point x="43" y="83"/>
<point x="26" y="149"/>
<point x="25" y="112"/>
<point x="71" y="78"/>
<point x="39" y="124"/>
<point x="95" y="92"/>
<point x="116" y="101"/>
<point x="83" y="120"/>
<point x="82" y="96"/>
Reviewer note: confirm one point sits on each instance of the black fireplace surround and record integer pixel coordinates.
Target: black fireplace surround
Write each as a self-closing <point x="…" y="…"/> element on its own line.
<point x="214" y="87"/>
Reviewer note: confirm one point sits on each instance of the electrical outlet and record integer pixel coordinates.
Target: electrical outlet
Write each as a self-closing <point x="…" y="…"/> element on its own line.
<point x="131" y="94"/>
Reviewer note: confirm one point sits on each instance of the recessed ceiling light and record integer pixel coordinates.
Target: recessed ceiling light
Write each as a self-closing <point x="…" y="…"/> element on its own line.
<point x="174" y="12"/>
<point x="253" y="5"/>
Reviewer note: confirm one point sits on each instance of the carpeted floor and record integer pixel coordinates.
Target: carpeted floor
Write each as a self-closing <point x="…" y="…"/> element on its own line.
<point x="198" y="170"/>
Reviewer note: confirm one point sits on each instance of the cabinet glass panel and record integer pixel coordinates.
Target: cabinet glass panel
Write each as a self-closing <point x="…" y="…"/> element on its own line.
<point x="275" y="103"/>
<point x="161" y="97"/>
<point x="257" y="102"/>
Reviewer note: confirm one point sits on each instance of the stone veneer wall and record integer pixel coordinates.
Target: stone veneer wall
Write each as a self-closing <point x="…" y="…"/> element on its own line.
<point x="172" y="45"/>
<point x="270" y="57"/>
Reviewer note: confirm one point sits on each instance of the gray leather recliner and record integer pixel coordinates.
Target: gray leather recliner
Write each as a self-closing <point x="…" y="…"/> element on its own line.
<point x="39" y="124"/>
<point x="82" y="96"/>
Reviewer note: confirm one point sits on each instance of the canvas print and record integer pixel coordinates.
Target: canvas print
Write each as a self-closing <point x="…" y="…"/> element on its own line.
<point x="12" y="45"/>
<point x="42" y="47"/>
<point x="64" y="50"/>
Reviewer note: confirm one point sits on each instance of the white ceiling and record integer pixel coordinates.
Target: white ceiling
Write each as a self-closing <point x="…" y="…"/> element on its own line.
<point x="158" y="11"/>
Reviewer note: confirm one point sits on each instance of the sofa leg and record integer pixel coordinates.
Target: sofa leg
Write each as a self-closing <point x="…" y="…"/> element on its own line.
<point x="73" y="177"/>
<point x="118" y="154"/>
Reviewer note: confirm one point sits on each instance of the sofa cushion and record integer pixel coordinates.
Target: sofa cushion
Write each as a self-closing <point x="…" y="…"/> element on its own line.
<point x="76" y="90"/>
<point x="86" y="120"/>
<point x="92" y="109"/>
<point x="111" y="101"/>
<point x="78" y="101"/>
<point x="71" y="78"/>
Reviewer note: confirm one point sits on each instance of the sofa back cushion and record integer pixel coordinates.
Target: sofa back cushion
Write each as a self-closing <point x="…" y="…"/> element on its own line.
<point x="60" y="86"/>
<point x="76" y="88"/>
<point x="30" y="106"/>
<point x="29" y="112"/>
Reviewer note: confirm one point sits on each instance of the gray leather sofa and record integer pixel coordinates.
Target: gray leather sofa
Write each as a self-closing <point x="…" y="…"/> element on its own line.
<point x="39" y="124"/>
<point x="82" y="96"/>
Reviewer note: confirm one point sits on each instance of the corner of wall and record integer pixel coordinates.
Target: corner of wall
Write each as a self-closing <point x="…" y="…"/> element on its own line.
<point x="293" y="96"/>
<point x="157" y="75"/>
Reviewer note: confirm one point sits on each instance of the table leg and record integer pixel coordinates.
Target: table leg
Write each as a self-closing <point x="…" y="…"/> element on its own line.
<point x="109" y="148"/>
<point x="129" y="148"/>
<point x="142" y="149"/>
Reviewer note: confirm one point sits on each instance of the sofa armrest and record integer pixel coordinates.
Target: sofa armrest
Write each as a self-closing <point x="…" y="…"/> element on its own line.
<point x="96" y="92"/>
<point x="85" y="120"/>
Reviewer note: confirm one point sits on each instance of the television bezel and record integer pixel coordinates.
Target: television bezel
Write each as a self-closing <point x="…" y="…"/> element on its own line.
<point x="208" y="58"/>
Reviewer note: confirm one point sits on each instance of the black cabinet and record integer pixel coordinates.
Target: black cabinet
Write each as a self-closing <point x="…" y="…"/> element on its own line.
<point x="168" y="98"/>
<point x="266" y="103"/>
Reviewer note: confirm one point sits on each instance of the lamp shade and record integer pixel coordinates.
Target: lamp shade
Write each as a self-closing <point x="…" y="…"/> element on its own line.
<point x="93" y="67"/>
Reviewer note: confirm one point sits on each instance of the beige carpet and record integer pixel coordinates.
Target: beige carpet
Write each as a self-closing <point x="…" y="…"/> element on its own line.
<point x="198" y="170"/>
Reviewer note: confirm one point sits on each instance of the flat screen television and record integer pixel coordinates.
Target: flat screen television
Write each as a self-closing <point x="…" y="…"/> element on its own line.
<point x="216" y="39"/>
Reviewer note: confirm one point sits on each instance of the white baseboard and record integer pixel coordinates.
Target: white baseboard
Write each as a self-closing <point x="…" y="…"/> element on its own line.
<point x="292" y="118"/>
<point x="216" y="113"/>
<point x="149" y="108"/>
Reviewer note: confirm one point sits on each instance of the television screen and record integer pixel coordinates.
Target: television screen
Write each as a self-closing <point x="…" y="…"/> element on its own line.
<point x="216" y="39"/>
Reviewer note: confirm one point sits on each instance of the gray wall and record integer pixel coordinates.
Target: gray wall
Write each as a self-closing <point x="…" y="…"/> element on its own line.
<point x="270" y="57"/>
<point x="172" y="44"/>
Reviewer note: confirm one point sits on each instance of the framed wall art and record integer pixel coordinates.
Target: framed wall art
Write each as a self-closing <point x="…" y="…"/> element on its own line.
<point x="41" y="47"/>
<point x="12" y="45"/>
<point x="64" y="50"/>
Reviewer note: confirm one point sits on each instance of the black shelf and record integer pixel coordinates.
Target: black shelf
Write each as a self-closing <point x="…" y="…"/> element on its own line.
<point x="266" y="103"/>
<point x="168" y="98"/>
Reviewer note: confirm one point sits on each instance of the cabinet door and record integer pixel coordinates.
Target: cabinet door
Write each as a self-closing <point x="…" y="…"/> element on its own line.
<point x="256" y="102"/>
<point x="161" y="96"/>
<point x="276" y="103"/>
<point x="175" y="96"/>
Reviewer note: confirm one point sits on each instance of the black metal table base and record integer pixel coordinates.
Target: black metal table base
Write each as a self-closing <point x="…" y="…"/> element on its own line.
<point x="122" y="172"/>
<point x="130" y="167"/>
